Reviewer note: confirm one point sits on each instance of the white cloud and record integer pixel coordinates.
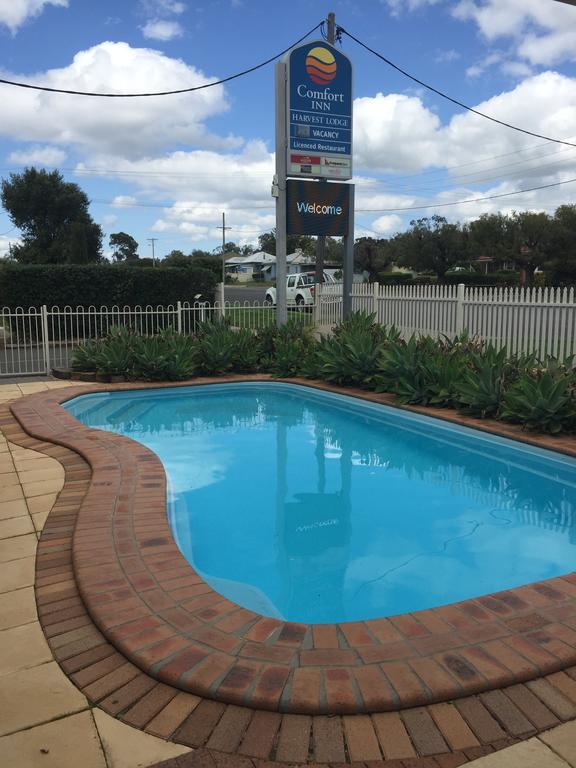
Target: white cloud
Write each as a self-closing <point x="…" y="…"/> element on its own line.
<point x="395" y="132"/>
<point x="396" y="6"/>
<point x="163" y="7"/>
<point x="387" y="225"/>
<point x="481" y="66"/>
<point x="116" y="126"/>
<point x="47" y="156"/>
<point x="400" y="135"/>
<point x="544" y="32"/>
<point x="109" y="219"/>
<point x="160" y="29"/>
<point x="123" y="201"/>
<point x="202" y="184"/>
<point x="446" y="57"/>
<point x="13" y="13"/>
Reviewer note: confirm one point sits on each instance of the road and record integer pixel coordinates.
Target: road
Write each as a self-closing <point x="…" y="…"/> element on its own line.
<point x="233" y="293"/>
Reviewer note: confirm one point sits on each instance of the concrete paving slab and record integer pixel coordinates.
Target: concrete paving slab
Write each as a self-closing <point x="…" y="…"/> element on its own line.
<point x="16" y="526"/>
<point x="563" y="741"/>
<point x="18" y="547"/>
<point x="43" y="503"/>
<point x="17" y="574"/>
<point x="525" y="754"/>
<point x="15" y="508"/>
<point x="66" y="743"/>
<point x="126" y="747"/>
<point x="17" y="608"/>
<point x="23" y="647"/>
<point x="11" y="492"/>
<point x="34" y="696"/>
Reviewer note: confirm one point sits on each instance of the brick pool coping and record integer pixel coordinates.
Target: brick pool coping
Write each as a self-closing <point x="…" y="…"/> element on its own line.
<point x="152" y="607"/>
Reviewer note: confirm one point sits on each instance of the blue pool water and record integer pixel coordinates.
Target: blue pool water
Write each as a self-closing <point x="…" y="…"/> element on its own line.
<point x="316" y="507"/>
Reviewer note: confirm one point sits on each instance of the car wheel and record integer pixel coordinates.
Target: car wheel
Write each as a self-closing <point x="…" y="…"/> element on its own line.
<point x="268" y="301"/>
<point x="300" y="303"/>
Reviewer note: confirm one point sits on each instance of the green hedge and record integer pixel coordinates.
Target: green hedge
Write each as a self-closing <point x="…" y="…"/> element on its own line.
<point x="101" y="285"/>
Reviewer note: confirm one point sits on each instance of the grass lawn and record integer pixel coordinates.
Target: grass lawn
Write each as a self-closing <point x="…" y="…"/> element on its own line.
<point x="261" y="317"/>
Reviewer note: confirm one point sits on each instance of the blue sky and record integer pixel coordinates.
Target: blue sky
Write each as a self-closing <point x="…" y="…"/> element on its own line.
<point x="168" y="167"/>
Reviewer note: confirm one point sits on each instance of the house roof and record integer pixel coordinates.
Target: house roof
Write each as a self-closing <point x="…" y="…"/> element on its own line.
<point x="254" y="258"/>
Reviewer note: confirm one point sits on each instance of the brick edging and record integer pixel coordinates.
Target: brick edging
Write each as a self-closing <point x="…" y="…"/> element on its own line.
<point x="151" y="605"/>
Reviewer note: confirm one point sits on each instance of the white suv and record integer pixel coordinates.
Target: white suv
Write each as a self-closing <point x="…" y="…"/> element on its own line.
<point x="299" y="290"/>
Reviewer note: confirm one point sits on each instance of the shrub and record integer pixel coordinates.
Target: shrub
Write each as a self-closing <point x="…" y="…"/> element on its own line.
<point x="100" y="285"/>
<point x="166" y="357"/>
<point x="544" y="403"/>
<point x="481" y="389"/>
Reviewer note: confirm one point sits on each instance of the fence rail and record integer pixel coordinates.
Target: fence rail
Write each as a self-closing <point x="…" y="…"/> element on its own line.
<point x="35" y="340"/>
<point x="540" y="320"/>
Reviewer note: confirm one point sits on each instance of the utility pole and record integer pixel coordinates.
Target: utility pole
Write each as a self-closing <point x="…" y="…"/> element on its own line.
<point x="152" y="240"/>
<point x="321" y="240"/>
<point x="223" y="228"/>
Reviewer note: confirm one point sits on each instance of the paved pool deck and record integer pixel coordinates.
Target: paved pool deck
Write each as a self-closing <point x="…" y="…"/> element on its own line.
<point x="51" y="479"/>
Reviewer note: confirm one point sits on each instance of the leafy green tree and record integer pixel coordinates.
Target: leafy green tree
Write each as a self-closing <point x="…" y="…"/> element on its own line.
<point x="373" y="255"/>
<point x="491" y="235"/>
<point x="124" y="246"/>
<point x="561" y="259"/>
<point x="432" y="245"/>
<point x="176" y="258"/>
<point x="533" y="234"/>
<point x="53" y="217"/>
<point x="306" y="243"/>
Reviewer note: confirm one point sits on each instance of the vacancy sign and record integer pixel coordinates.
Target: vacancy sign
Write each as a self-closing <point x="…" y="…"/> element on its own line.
<point x="319" y="112"/>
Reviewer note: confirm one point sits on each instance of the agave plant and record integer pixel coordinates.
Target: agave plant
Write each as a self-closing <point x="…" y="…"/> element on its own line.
<point x="84" y="356"/>
<point x="543" y="404"/>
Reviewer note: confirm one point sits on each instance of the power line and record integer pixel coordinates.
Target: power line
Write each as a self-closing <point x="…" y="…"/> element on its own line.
<point x="450" y="98"/>
<point x="161" y="93"/>
<point x="462" y="202"/>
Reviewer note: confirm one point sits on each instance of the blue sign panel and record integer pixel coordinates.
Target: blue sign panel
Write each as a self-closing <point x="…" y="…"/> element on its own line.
<point x="319" y="112"/>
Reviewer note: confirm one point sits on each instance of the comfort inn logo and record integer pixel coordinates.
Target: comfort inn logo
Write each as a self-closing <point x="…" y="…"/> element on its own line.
<point x="321" y="65"/>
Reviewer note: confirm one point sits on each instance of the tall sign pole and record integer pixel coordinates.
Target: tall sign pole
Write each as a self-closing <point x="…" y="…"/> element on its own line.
<point x="321" y="241"/>
<point x="314" y="145"/>
<point x="279" y="190"/>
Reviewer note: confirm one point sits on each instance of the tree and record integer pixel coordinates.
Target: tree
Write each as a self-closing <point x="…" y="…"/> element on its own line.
<point x="492" y="235"/>
<point x="532" y="233"/>
<point x="561" y="259"/>
<point x="306" y="243"/>
<point x="53" y="217"/>
<point x="176" y="258"/>
<point x="372" y="255"/>
<point x="124" y="246"/>
<point x="432" y="245"/>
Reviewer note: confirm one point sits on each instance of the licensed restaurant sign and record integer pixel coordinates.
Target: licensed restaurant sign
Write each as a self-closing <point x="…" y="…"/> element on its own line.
<point x="319" y="112"/>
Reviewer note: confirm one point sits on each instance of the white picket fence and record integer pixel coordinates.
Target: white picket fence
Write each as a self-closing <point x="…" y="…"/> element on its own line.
<point x="540" y="320"/>
<point x="35" y="340"/>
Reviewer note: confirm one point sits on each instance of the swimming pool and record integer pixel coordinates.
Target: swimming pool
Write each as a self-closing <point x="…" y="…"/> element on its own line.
<point x="317" y="507"/>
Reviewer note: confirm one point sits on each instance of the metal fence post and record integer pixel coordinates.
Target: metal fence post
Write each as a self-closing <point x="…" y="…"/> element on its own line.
<point x="459" y="321"/>
<point x="179" y="316"/>
<point x="45" y="339"/>
<point x="375" y="298"/>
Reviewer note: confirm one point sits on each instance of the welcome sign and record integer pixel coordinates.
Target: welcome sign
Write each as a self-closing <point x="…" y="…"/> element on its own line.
<point x="316" y="208"/>
<point x="319" y="112"/>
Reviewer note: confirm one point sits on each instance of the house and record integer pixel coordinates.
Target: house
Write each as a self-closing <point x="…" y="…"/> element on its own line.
<point x="246" y="268"/>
